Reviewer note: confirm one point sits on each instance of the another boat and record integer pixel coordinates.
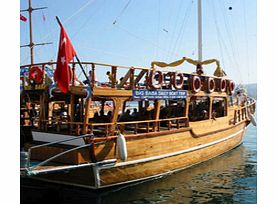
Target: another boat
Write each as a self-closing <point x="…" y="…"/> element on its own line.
<point x="152" y="122"/>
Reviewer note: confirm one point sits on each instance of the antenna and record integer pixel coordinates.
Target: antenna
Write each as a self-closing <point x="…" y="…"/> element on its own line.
<point x="32" y="44"/>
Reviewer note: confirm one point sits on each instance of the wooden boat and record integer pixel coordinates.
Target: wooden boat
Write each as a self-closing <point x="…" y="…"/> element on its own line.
<point x="152" y="122"/>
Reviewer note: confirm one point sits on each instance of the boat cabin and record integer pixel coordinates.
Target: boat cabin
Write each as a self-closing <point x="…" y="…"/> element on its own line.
<point x="143" y="100"/>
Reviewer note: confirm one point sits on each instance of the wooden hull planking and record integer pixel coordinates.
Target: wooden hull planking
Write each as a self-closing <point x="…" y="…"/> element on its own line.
<point x="148" y="158"/>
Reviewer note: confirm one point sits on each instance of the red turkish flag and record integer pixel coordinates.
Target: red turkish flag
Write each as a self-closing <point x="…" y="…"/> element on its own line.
<point x="66" y="53"/>
<point x="23" y="18"/>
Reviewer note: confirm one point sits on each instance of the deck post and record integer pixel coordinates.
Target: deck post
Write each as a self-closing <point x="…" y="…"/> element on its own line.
<point x="211" y="107"/>
<point x="73" y="74"/>
<point x="235" y="117"/>
<point x="92" y="75"/>
<point x="42" y="110"/>
<point x="117" y="105"/>
<point x="114" y="69"/>
<point x="71" y="111"/>
<point x="85" y="123"/>
<point x="187" y="107"/>
<point x="157" y="114"/>
<point x="132" y="78"/>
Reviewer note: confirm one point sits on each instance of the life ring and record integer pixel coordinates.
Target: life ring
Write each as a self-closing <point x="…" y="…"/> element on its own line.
<point x="222" y="85"/>
<point x="210" y="85"/>
<point x="36" y="75"/>
<point x="174" y="82"/>
<point x="153" y="82"/>
<point x="195" y="84"/>
<point x="231" y="86"/>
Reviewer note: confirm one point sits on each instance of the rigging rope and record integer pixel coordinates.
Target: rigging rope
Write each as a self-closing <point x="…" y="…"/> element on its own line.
<point x="122" y="11"/>
<point x="231" y="41"/>
<point x="79" y="10"/>
<point x="218" y="33"/>
<point x="185" y="21"/>
<point x="90" y="17"/>
<point x="171" y="47"/>
<point x="246" y="40"/>
<point x="140" y="38"/>
<point x="52" y="31"/>
<point x="158" y="27"/>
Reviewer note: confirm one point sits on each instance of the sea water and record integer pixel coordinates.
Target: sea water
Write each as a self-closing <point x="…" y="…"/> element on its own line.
<point x="229" y="178"/>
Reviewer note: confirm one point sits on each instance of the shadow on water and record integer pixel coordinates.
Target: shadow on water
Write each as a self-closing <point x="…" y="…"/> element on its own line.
<point x="229" y="178"/>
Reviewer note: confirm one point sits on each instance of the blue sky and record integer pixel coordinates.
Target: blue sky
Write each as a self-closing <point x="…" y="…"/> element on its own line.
<point x="148" y="30"/>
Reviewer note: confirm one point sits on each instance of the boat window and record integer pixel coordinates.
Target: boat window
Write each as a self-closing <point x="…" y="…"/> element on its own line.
<point x="59" y="110"/>
<point x="219" y="108"/>
<point x="137" y="111"/>
<point x="101" y="111"/>
<point x="172" y="108"/>
<point x="31" y="112"/>
<point x="199" y="108"/>
<point x="78" y="110"/>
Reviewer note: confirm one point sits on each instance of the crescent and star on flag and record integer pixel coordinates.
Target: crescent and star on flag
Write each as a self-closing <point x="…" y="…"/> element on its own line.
<point x="66" y="53"/>
<point x="63" y="57"/>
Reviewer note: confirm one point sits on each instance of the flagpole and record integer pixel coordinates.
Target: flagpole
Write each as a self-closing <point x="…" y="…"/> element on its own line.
<point x="77" y="58"/>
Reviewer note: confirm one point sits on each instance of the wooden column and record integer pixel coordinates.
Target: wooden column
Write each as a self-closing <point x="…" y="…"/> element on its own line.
<point x="114" y="76"/>
<point x="226" y="106"/>
<point x="117" y="105"/>
<point x="187" y="110"/>
<point x="211" y="107"/>
<point x="71" y="110"/>
<point x="157" y="114"/>
<point x="73" y="75"/>
<point x="86" y="119"/>
<point x="235" y="117"/>
<point x="46" y="107"/>
<point x="92" y="75"/>
<point x="118" y="102"/>
<point x="187" y="107"/>
<point x="132" y="78"/>
<point x="42" y="103"/>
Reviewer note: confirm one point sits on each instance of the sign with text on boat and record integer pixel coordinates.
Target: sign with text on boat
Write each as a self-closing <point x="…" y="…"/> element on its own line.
<point x="159" y="94"/>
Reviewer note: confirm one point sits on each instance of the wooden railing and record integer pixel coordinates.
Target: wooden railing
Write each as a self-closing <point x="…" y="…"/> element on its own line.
<point x="129" y="80"/>
<point x="242" y="113"/>
<point x="155" y="125"/>
<point x="108" y="129"/>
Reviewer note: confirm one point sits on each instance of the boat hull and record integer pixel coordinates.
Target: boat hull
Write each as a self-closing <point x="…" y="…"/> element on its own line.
<point x="185" y="151"/>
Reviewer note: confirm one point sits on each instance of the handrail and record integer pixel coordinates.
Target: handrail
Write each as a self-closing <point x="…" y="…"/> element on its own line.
<point x="119" y="66"/>
<point x="60" y="154"/>
<point x="82" y="136"/>
<point x="54" y="157"/>
<point x="144" y="121"/>
<point x="249" y="103"/>
<point x="119" y="123"/>
<point x="60" y="141"/>
<point x="242" y="112"/>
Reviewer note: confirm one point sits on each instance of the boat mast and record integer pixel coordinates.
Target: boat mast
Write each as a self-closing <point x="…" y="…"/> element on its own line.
<point x="31" y="44"/>
<point x="199" y="30"/>
<point x="30" y="10"/>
